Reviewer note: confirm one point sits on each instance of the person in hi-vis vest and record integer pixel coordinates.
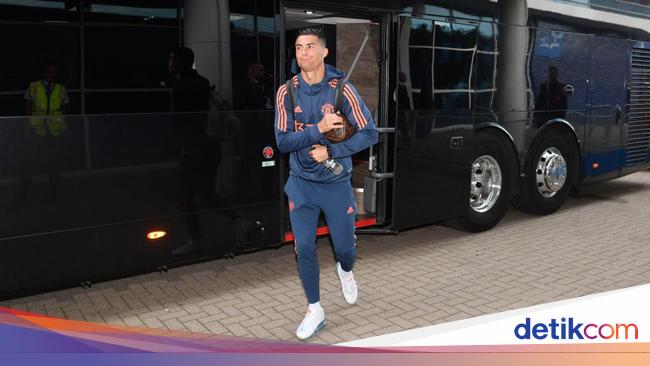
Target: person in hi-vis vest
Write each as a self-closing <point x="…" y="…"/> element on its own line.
<point x="44" y="101"/>
<point x="45" y="130"/>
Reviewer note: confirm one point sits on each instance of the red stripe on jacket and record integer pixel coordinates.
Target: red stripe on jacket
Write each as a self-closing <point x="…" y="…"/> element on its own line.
<point x="282" y="112"/>
<point x="356" y="109"/>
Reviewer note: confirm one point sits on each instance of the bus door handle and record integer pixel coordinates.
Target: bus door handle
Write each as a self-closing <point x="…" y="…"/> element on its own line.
<point x="619" y="114"/>
<point x="373" y="160"/>
<point x="385" y="129"/>
<point x="379" y="176"/>
<point x="569" y="90"/>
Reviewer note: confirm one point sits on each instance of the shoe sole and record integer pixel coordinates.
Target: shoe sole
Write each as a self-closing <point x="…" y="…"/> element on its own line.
<point x="318" y="328"/>
<point x="336" y="269"/>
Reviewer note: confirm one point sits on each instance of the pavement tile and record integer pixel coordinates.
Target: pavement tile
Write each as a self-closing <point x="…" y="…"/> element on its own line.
<point x="420" y="277"/>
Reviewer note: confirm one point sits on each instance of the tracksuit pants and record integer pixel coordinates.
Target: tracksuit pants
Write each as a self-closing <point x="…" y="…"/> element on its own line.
<point x="306" y="200"/>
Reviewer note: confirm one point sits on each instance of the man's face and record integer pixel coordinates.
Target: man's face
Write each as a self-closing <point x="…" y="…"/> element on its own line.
<point x="174" y="64"/>
<point x="259" y="72"/>
<point x="50" y="74"/>
<point x="310" y="52"/>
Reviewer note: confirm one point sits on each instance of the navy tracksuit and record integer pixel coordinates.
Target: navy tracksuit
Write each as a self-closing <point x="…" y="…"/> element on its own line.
<point x="312" y="188"/>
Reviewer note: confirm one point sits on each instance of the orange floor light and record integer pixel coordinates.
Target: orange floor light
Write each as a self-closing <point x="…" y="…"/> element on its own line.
<point x="157" y="234"/>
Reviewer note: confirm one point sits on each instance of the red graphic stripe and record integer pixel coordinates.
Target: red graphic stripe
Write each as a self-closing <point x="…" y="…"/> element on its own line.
<point x="353" y="106"/>
<point x="354" y="103"/>
<point x="282" y="113"/>
<point x="324" y="230"/>
<point x="358" y="114"/>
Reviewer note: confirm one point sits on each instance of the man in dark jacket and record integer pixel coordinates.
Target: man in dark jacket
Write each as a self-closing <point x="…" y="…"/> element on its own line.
<point x="253" y="93"/>
<point x="552" y="100"/>
<point x="198" y="165"/>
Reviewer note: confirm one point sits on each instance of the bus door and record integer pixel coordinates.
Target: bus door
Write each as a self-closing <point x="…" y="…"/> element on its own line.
<point x="434" y="121"/>
<point x="604" y="153"/>
<point x="345" y="30"/>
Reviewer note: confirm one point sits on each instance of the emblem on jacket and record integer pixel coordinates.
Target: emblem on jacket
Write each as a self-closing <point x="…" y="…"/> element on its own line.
<point x="327" y="108"/>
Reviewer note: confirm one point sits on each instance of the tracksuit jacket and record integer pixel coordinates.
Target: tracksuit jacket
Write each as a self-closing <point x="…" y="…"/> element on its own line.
<point x="297" y="136"/>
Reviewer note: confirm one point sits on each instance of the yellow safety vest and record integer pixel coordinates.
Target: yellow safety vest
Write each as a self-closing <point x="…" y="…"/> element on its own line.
<point x="50" y="108"/>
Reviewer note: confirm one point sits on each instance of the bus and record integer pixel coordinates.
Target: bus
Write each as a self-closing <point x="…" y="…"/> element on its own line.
<point x="480" y="104"/>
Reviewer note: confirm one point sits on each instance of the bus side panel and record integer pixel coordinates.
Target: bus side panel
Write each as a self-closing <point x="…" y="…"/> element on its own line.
<point x="607" y="97"/>
<point x="432" y="176"/>
<point x="637" y="122"/>
<point x="554" y="86"/>
<point x="82" y="211"/>
<point x="434" y="125"/>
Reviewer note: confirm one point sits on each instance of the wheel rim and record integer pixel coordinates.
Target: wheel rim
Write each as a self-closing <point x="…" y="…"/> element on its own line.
<point x="551" y="172"/>
<point x="486" y="183"/>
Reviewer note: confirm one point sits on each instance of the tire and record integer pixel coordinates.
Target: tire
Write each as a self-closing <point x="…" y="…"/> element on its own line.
<point x="484" y="211"/>
<point x="536" y="195"/>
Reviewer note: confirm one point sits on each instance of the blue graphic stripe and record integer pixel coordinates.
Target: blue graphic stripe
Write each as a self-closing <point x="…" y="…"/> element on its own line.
<point x="608" y="162"/>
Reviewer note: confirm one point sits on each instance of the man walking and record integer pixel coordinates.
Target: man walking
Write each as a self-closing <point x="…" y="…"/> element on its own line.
<point x="300" y="124"/>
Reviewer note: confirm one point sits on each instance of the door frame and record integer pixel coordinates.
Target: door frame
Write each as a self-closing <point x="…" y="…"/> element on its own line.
<point x="386" y="108"/>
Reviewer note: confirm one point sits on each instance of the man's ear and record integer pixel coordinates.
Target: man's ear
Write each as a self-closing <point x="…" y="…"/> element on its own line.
<point x="325" y="52"/>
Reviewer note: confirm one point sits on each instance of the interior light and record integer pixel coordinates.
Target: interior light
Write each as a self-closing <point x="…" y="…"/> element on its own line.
<point x="153" y="235"/>
<point x="595" y="165"/>
<point x="309" y="12"/>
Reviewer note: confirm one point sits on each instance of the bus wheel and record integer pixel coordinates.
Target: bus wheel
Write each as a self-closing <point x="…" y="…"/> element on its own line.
<point x="491" y="182"/>
<point x="551" y="170"/>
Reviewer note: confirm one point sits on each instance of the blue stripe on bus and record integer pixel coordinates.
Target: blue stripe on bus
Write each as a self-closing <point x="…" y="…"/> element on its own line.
<point x="609" y="161"/>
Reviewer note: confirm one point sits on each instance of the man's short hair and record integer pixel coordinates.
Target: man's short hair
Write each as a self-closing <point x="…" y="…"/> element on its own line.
<point x="45" y="66"/>
<point x="313" y="31"/>
<point x="185" y="55"/>
<point x="253" y="66"/>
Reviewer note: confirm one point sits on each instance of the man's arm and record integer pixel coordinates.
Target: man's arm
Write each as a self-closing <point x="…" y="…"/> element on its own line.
<point x="64" y="99"/>
<point x="564" y="101"/>
<point x="28" y="107"/>
<point x="356" y="111"/>
<point x="287" y="139"/>
<point x="541" y="102"/>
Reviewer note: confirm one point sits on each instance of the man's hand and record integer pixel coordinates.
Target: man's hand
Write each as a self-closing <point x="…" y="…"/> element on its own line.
<point x="319" y="153"/>
<point x="329" y="122"/>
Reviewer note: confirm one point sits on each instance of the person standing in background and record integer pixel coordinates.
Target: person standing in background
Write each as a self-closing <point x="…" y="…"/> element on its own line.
<point x="45" y="101"/>
<point x="198" y="164"/>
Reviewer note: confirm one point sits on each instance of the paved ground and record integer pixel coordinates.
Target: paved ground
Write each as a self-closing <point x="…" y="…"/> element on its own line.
<point x="432" y="275"/>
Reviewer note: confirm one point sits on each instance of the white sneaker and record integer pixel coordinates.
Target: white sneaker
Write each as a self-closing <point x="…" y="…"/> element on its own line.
<point x="348" y="284"/>
<point x="313" y="322"/>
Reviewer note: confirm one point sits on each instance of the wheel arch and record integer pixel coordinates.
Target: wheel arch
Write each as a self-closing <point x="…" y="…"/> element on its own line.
<point x="500" y="130"/>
